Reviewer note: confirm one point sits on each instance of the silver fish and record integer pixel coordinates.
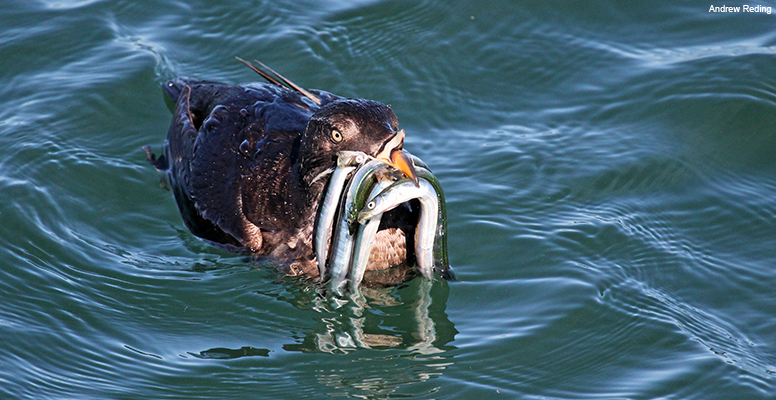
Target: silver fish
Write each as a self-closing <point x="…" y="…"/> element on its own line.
<point x="441" y="262"/>
<point x="365" y="238"/>
<point x="346" y="163"/>
<point x="425" y="234"/>
<point x="372" y="184"/>
<point x="343" y="241"/>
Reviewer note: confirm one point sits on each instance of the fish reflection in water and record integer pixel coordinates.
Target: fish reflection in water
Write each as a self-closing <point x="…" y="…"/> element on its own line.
<point x="420" y="319"/>
<point x="386" y="324"/>
<point x="406" y="328"/>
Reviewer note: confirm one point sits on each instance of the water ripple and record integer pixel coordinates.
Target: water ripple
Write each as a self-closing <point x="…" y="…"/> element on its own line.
<point x="608" y="167"/>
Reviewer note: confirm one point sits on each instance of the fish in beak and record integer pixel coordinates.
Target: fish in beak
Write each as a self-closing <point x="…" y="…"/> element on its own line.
<point x="394" y="155"/>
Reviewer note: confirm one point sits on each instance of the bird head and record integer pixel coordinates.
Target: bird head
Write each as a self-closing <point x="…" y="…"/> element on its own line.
<point x="355" y="125"/>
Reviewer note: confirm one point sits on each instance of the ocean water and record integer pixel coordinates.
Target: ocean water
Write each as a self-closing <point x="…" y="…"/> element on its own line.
<point x="610" y="171"/>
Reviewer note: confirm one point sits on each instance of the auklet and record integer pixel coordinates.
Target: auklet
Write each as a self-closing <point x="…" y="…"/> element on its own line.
<point x="249" y="164"/>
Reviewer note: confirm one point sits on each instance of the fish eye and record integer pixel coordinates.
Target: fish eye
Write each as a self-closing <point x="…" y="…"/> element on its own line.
<point x="336" y="135"/>
<point x="371" y="205"/>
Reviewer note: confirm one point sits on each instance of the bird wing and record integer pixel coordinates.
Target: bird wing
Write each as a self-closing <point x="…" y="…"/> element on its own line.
<point x="232" y="150"/>
<point x="204" y="172"/>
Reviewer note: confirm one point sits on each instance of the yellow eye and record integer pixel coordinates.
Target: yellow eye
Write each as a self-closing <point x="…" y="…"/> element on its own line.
<point x="336" y="135"/>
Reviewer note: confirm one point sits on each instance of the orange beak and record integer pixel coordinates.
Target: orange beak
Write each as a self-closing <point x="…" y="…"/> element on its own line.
<point x="401" y="161"/>
<point x="394" y="156"/>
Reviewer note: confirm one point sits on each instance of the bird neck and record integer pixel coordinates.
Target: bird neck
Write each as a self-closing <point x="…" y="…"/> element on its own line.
<point x="313" y="166"/>
<point x="314" y="174"/>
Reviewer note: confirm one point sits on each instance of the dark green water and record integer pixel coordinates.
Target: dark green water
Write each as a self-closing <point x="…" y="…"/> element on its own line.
<point x="610" y="170"/>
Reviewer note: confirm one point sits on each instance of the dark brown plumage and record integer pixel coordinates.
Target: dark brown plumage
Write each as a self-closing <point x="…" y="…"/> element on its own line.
<point x="249" y="164"/>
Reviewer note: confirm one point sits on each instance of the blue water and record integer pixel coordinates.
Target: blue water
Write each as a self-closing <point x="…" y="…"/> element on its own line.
<point x="610" y="171"/>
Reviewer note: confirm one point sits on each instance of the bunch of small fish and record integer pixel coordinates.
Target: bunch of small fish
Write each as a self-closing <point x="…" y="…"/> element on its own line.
<point x="360" y="202"/>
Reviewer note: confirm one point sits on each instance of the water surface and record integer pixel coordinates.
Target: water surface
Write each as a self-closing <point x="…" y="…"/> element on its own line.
<point x="610" y="171"/>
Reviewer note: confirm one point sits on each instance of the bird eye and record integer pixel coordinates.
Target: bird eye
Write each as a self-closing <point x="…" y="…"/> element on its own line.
<point x="336" y="135"/>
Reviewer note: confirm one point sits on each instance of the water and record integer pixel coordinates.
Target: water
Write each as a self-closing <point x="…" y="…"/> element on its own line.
<point x="610" y="171"/>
